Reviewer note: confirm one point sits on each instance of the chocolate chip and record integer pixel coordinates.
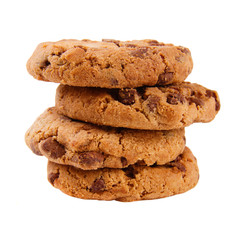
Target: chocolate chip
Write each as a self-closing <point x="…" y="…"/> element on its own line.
<point x="179" y="165"/>
<point x="176" y="163"/>
<point x="153" y="102"/>
<point x="117" y="42"/>
<point x="178" y="158"/>
<point x="131" y="45"/>
<point x="210" y="93"/>
<point x="89" y="159"/>
<point x="124" y="161"/>
<point x="130" y="172"/>
<point x="141" y="163"/>
<point x="165" y="78"/>
<point x="217" y="106"/>
<point x="144" y="193"/>
<point x="155" y="43"/>
<point x="98" y="186"/>
<point x="52" y="147"/>
<point x="127" y="96"/>
<point x="197" y="101"/>
<point x="139" y="52"/>
<point x="184" y="50"/>
<point x="175" y="98"/>
<point x="34" y="147"/>
<point x="196" y="94"/>
<point x="52" y="177"/>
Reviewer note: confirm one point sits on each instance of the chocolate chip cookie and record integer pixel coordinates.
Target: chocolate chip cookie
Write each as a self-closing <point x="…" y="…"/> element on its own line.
<point x="87" y="146"/>
<point x="153" y="108"/>
<point x="110" y="63"/>
<point x="129" y="184"/>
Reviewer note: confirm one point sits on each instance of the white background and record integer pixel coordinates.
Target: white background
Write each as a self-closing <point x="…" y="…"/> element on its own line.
<point x="31" y="208"/>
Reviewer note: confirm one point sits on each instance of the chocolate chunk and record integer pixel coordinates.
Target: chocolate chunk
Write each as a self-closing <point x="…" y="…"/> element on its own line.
<point x="197" y="101"/>
<point x="175" y="98"/>
<point x="139" y="52"/>
<point x="53" y="148"/>
<point x="155" y="43"/>
<point x="98" y="186"/>
<point x="165" y="78"/>
<point x="124" y="161"/>
<point x="126" y="96"/>
<point x="179" y="165"/>
<point x="130" y="172"/>
<point x="131" y="45"/>
<point x="141" y="163"/>
<point x="184" y="50"/>
<point x="52" y="177"/>
<point x="176" y="163"/>
<point x="89" y="159"/>
<point x="196" y="94"/>
<point x="153" y="102"/>
<point x="210" y="93"/>
<point x="117" y="42"/>
<point x="178" y="158"/>
<point x="34" y="147"/>
<point x="217" y="106"/>
<point x="144" y="193"/>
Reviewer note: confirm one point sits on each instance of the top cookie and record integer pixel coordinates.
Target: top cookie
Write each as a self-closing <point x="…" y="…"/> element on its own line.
<point x="110" y="63"/>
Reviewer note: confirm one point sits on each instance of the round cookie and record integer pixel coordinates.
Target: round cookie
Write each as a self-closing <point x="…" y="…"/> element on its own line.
<point x="129" y="184"/>
<point x="110" y="63"/>
<point x="87" y="146"/>
<point x="151" y="108"/>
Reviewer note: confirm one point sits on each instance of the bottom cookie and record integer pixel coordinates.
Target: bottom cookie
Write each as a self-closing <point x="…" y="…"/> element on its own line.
<point x="129" y="184"/>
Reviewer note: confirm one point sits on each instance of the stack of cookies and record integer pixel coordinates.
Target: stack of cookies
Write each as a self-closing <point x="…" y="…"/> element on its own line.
<point x="117" y="129"/>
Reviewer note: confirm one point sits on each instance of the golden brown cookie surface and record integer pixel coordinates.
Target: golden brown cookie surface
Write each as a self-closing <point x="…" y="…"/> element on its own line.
<point x="110" y="63"/>
<point x="129" y="184"/>
<point x="151" y="108"/>
<point x="88" y="146"/>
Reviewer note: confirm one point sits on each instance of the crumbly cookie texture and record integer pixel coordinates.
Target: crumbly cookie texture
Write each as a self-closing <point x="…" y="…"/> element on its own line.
<point x="151" y="108"/>
<point x="87" y="146"/>
<point x="129" y="184"/>
<point x="110" y="63"/>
